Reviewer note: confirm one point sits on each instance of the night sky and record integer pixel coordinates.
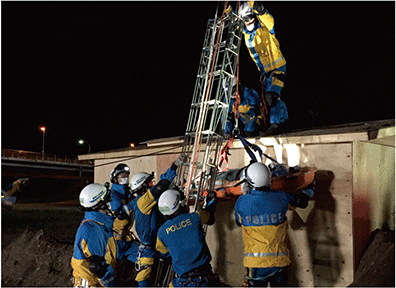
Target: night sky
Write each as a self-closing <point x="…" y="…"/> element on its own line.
<point x="113" y="73"/>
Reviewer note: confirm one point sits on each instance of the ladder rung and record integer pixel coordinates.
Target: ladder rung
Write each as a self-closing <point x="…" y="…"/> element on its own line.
<point x="233" y="52"/>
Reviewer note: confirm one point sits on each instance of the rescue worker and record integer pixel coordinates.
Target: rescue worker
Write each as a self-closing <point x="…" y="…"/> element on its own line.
<point x="147" y="219"/>
<point x="15" y="186"/>
<point x="264" y="49"/>
<point x="95" y="252"/>
<point x="262" y="215"/>
<point x="7" y="200"/>
<point x="250" y="119"/>
<point x="182" y="238"/>
<point x="120" y="195"/>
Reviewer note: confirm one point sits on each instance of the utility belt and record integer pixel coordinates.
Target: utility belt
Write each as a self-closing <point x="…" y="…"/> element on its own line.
<point x="201" y="274"/>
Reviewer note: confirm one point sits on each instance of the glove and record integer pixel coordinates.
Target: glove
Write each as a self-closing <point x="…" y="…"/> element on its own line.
<point x="212" y="202"/>
<point x="179" y="160"/>
<point x="121" y="214"/>
<point x="228" y="10"/>
<point x="308" y="191"/>
<point x="23" y="181"/>
<point x="98" y="265"/>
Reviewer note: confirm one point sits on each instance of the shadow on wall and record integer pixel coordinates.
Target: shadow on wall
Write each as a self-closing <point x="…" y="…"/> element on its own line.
<point x="323" y="239"/>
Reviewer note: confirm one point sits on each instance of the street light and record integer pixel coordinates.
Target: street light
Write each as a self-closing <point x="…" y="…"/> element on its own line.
<point x="89" y="146"/>
<point x="42" y="149"/>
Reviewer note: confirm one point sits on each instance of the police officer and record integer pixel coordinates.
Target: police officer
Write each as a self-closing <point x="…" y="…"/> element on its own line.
<point x="182" y="238"/>
<point x="249" y="115"/>
<point x="262" y="215"/>
<point x="95" y="252"/>
<point x="265" y="52"/>
<point x="147" y="219"/>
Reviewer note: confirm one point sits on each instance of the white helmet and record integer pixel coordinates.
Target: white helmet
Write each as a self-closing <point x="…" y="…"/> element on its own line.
<point x="246" y="12"/>
<point x="169" y="202"/>
<point x="258" y="175"/>
<point x="94" y="195"/>
<point x="140" y="180"/>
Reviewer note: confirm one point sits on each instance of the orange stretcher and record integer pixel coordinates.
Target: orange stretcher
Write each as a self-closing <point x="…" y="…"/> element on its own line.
<point x="225" y="183"/>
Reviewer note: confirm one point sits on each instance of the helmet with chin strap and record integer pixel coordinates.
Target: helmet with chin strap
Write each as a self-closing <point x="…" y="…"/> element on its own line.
<point x="118" y="170"/>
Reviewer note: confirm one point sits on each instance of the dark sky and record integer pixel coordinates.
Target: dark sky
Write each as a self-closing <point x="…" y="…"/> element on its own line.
<point x="113" y="73"/>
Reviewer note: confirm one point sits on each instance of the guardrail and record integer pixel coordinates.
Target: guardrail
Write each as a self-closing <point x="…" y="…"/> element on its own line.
<point x="21" y="154"/>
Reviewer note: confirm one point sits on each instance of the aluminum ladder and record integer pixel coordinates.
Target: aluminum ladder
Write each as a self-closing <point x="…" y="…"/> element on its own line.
<point x="208" y="112"/>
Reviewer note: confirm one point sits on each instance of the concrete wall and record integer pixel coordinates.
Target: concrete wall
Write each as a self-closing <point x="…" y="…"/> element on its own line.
<point x="321" y="236"/>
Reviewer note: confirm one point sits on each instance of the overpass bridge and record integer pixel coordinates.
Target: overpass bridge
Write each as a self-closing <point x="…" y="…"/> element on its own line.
<point x="19" y="163"/>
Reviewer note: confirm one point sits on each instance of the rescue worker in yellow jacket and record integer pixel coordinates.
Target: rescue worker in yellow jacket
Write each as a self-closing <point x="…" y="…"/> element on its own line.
<point x="265" y="51"/>
<point x="95" y="251"/>
<point x="262" y="215"/>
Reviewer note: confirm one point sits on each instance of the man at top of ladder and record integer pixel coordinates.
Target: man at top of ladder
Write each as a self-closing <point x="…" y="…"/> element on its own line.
<point x="264" y="49"/>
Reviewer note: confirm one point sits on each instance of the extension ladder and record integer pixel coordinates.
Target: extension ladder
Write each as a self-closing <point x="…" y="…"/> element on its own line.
<point x="208" y="112"/>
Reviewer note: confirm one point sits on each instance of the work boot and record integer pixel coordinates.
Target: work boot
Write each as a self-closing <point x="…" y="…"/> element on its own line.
<point x="272" y="130"/>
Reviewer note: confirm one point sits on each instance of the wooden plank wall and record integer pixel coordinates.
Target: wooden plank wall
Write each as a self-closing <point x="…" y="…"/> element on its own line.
<point x="374" y="190"/>
<point x="320" y="236"/>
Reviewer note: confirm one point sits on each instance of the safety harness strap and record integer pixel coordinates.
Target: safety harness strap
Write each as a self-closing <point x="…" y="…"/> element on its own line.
<point x="224" y="154"/>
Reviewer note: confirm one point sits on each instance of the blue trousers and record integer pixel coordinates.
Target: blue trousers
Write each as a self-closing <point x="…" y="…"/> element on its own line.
<point x="260" y="277"/>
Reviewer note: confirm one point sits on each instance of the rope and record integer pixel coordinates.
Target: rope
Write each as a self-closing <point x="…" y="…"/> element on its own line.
<point x="263" y="108"/>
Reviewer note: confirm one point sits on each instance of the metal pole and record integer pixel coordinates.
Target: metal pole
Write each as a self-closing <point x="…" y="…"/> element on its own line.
<point x="42" y="150"/>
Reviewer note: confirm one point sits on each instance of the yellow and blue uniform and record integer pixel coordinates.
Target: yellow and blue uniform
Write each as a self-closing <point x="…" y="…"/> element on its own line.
<point x="120" y="196"/>
<point x="183" y="238"/>
<point x="147" y="221"/>
<point x="12" y="188"/>
<point x="94" y="237"/>
<point x="262" y="215"/>
<point x="248" y="111"/>
<point x="264" y="50"/>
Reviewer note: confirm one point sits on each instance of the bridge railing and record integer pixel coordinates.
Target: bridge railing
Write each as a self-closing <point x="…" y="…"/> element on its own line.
<point x="12" y="153"/>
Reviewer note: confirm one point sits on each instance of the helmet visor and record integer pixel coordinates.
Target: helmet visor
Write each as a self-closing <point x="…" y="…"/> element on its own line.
<point x="248" y="18"/>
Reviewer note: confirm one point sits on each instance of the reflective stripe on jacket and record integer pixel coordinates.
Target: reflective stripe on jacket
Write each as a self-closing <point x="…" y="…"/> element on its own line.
<point x="262" y="215"/>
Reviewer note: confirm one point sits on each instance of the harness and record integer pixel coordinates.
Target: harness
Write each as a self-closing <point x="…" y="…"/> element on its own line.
<point x="141" y="248"/>
<point x="201" y="274"/>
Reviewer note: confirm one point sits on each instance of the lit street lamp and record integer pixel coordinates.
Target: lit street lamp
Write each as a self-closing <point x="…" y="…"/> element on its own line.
<point x="42" y="150"/>
<point x="89" y="146"/>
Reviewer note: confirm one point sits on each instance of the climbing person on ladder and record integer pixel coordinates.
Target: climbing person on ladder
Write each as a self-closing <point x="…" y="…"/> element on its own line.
<point x="182" y="238"/>
<point x="264" y="49"/>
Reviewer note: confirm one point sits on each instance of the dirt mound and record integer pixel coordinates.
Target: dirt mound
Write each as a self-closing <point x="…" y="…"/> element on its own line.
<point x="36" y="259"/>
